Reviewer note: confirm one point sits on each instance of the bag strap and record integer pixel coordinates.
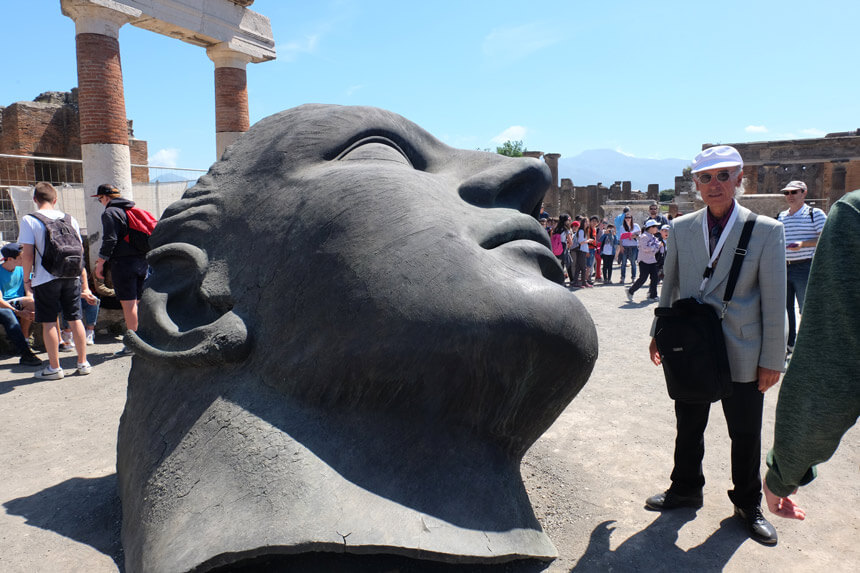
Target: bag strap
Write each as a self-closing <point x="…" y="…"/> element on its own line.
<point x="740" y="253"/>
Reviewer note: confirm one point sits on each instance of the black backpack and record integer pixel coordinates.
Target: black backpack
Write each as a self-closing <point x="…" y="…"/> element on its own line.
<point x="64" y="253"/>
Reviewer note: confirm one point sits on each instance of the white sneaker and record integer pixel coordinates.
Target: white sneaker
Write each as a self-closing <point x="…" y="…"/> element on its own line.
<point x="49" y="374"/>
<point x="83" y="369"/>
<point x="67" y="346"/>
<point x="90" y="337"/>
<point x="629" y="296"/>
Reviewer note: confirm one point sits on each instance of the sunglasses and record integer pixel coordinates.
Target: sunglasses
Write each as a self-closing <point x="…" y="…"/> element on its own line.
<point x="705" y="178"/>
<point x="792" y="192"/>
<point x="628" y="217"/>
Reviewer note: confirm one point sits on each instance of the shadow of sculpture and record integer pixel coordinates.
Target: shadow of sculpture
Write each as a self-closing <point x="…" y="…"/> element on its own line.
<point x="86" y="510"/>
<point x="351" y="335"/>
<point x="655" y="547"/>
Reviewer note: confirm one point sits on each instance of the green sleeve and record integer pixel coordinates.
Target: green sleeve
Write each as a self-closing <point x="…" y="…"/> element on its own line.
<point x="819" y="399"/>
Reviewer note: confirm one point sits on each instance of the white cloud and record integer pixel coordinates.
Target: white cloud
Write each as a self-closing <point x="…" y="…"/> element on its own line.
<point x="519" y="42"/>
<point x="755" y="129"/>
<point x="513" y="133"/>
<point x="292" y="50"/>
<point x="165" y="158"/>
<point x="813" y="132"/>
<point x="352" y="89"/>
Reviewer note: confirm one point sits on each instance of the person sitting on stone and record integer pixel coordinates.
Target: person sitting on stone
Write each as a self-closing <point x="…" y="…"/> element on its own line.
<point x="16" y="307"/>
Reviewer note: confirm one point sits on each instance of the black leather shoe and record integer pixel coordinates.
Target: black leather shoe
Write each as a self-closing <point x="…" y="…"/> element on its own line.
<point x="760" y="529"/>
<point x="670" y="500"/>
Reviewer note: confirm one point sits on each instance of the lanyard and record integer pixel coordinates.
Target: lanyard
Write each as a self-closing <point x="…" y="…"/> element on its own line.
<point x="719" y="247"/>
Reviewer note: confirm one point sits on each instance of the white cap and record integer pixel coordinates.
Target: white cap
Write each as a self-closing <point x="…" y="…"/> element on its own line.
<point x="718" y="157"/>
<point x="651" y="223"/>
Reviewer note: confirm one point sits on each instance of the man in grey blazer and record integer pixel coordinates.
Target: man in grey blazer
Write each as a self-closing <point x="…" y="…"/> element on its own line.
<point x="753" y="326"/>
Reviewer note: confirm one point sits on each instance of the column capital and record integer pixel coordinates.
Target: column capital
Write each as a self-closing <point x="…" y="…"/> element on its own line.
<point x="104" y="17"/>
<point x="225" y="56"/>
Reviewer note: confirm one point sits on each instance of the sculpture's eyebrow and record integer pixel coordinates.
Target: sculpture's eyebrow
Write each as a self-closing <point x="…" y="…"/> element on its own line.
<point x="390" y="137"/>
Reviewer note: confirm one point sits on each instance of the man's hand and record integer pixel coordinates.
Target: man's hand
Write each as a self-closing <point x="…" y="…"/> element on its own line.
<point x="782" y="506"/>
<point x="100" y="269"/>
<point x="767" y="378"/>
<point x="88" y="296"/>
<point x="655" y="354"/>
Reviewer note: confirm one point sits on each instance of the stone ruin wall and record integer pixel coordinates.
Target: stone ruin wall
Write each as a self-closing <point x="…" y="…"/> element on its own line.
<point x="830" y="166"/>
<point x="49" y="126"/>
<point x="565" y="197"/>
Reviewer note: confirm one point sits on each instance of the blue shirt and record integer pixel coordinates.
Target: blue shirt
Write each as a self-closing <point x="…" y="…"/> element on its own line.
<point x="12" y="283"/>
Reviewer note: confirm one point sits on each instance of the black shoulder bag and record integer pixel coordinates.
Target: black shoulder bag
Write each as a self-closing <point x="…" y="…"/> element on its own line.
<point x="689" y="336"/>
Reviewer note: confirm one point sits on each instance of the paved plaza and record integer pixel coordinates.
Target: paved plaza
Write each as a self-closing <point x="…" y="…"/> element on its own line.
<point x="588" y="476"/>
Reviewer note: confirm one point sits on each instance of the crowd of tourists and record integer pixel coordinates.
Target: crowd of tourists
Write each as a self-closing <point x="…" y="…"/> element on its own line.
<point x="43" y="277"/>
<point x="589" y="248"/>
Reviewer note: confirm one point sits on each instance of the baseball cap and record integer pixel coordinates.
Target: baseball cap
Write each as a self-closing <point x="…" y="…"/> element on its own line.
<point x="106" y="189"/>
<point x="665" y="228"/>
<point x="718" y="157"/>
<point x="11" y="250"/>
<point x="795" y="185"/>
<point x="651" y="223"/>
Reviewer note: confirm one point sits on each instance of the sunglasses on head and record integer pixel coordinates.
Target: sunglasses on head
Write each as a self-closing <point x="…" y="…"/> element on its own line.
<point x="791" y="192"/>
<point x="722" y="176"/>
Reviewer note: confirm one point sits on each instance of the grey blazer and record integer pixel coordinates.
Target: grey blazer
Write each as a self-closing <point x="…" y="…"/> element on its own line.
<point x="755" y="321"/>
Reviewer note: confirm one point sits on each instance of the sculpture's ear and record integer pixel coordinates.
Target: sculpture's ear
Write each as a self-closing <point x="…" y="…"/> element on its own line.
<point x="185" y="313"/>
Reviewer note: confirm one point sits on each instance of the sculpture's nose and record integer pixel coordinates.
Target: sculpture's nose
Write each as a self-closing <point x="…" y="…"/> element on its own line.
<point x="515" y="183"/>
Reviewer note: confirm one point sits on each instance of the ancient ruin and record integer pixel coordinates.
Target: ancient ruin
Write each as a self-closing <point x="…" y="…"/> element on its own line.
<point x="351" y="336"/>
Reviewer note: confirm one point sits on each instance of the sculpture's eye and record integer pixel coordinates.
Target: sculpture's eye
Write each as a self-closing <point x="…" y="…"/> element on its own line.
<point x="375" y="149"/>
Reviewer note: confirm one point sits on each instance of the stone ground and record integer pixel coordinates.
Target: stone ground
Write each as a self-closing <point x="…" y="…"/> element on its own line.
<point x="587" y="476"/>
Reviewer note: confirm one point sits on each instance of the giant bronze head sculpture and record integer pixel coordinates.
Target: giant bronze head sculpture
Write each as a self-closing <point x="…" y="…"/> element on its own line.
<point x="351" y="335"/>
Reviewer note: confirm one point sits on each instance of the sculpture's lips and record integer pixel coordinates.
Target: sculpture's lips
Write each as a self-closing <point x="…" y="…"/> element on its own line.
<point x="523" y="228"/>
<point x="525" y="240"/>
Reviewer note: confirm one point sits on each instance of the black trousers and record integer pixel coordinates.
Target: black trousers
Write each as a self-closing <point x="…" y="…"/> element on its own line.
<point x="743" y="411"/>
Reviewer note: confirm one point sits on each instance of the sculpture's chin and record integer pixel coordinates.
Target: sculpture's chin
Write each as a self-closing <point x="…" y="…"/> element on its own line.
<point x="357" y="484"/>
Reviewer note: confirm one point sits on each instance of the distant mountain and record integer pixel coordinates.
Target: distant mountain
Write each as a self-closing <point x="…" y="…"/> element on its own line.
<point x="168" y="178"/>
<point x="608" y="166"/>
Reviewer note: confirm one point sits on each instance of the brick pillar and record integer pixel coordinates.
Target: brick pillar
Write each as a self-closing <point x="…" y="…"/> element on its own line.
<point x="231" y="95"/>
<point x="101" y="103"/>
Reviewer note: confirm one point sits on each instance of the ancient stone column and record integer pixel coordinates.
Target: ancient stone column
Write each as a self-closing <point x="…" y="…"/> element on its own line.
<point x="837" y="185"/>
<point x="653" y="191"/>
<point x="231" y="95"/>
<point x="101" y="103"/>
<point x="626" y="190"/>
<point x="551" y="200"/>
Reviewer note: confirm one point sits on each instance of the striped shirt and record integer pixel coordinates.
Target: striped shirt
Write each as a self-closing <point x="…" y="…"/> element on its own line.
<point x="802" y="227"/>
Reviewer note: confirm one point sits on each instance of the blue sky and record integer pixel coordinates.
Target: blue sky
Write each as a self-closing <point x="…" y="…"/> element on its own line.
<point x="649" y="79"/>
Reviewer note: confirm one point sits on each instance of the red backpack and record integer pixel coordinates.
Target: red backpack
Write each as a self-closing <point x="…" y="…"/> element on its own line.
<point x="140" y="226"/>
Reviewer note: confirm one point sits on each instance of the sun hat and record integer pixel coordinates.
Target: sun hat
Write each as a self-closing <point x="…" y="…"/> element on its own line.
<point x="718" y="157"/>
<point x="800" y="185"/>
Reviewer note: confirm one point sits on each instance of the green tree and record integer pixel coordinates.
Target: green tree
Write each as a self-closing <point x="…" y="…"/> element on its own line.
<point x="666" y="195"/>
<point x="511" y="148"/>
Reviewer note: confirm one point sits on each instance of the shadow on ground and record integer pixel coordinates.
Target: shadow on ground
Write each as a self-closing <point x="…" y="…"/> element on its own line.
<point x="84" y="509"/>
<point x="654" y="548"/>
